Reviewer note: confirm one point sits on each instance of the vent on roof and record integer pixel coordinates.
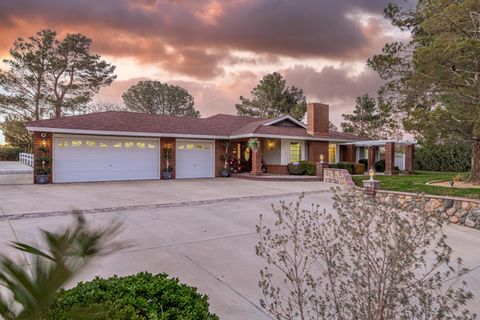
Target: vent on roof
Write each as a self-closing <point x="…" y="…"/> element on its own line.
<point x="285" y="123"/>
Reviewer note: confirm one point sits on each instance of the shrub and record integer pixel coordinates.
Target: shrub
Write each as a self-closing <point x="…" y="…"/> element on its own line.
<point x="364" y="162"/>
<point x="9" y="153"/>
<point x="380" y="166"/>
<point x="350" y="166"/>
<point x="302" y="168"/>
<point x="444" y="158"/>
<point x="333" y="165"/>
<point x="359" y="168"/>
<point x="140" y="296"/>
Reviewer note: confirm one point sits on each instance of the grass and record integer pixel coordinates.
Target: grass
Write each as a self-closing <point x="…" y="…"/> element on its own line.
<point x="417" y="183"/>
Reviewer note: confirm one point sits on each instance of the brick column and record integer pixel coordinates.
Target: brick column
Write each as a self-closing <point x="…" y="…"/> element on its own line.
<point x="409" y="158"/>
<point x="42" y="140"/>
<point x="257" y="160"/>
<point x="351" y="153"/>
<point x="372" y="152"/>
<point x="171" y="142"/>
<point x="320" y="167"/>
<point x="389" y="158"/>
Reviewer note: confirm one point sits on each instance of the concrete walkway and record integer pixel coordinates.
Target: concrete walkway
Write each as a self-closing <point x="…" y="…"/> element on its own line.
<point x="15" y="172"/>
<point x="201" y="231"/>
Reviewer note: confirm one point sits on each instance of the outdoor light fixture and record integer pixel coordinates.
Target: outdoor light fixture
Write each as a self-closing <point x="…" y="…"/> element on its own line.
<point x="271" y="144"/>
<point x="321" y="158"/>
<point x="371" y="173"/>
<point x="44" y="143"/>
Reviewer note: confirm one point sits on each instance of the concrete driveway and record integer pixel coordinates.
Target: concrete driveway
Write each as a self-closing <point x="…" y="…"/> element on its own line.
<point x="202" y="231"/>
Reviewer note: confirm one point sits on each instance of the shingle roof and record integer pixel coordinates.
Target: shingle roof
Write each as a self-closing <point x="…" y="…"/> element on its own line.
<point x="218" y="125"/>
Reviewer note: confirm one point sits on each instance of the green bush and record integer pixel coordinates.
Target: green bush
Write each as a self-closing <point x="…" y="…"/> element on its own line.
<point x="359" y="168"/>
<point x="350" y="166"/>
<point x="9" y="153"/>
<point x="380" y="166"/>
<point x="302" y="168"/>
<point x="364" y="162"/>
<point x="444" y="157"/>
<point x="333" y="165"/>
<point x="140" y="296"/>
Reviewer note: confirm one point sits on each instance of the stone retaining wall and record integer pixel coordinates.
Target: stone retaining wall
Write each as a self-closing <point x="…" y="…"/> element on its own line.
<point x="338" y="176"/>
<point x="462" y="211"/>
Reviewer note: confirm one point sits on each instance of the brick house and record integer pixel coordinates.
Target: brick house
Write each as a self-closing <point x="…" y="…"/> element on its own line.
<point x="109" y="146"/>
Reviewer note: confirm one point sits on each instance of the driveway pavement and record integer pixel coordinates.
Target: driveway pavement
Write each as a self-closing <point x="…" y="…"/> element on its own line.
<point x="202" y="231"/>
<point x="15" y="172"/>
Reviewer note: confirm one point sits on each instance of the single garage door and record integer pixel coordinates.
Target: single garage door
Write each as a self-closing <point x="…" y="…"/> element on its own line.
<point x="194" y="159"/>
<point x="89" y="158"/>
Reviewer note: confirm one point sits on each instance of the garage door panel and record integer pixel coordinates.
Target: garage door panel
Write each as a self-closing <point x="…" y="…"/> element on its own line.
<point x="80" y="159"/>
<point x="194" y="159"/>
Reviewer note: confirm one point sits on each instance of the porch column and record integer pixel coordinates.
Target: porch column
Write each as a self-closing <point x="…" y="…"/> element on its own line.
<point x="351" y="153"/>
<point x="257" y="160"/>
<point x="389" y="158"/>
<point x="409" y="158"/>
<point x="372" y="152"/>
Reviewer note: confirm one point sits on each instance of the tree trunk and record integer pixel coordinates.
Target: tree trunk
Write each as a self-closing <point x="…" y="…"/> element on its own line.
<point x="58" y="109"/>
<point x="475" y="174"/>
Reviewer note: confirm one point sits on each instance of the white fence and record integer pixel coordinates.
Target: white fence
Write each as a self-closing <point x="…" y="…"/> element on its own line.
<point x="26" y="158"/>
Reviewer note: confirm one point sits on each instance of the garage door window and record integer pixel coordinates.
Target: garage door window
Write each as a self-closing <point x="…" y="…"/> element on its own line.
<point x="76" y="143"/>
<point x="63" y="144"/>
<point x="91" y="144"/>
<point x="141" y="145"/>
<point x="103" y="145"/>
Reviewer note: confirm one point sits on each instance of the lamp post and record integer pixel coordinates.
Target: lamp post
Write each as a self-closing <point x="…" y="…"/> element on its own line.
<point x="321" y="158"/>
<point x="371" y="185"/>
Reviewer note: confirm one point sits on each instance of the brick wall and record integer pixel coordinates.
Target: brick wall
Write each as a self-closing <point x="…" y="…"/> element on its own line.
<point x="163" y="164"/>
<point x="389" y="158"/>
<point x="409" y="158"/>
<point x="316" y="148"/>
<point x="38" y="142"/>
<point x="318" y="119"/>
<point x="277" y="168"/>
<point x="219" y="152"/>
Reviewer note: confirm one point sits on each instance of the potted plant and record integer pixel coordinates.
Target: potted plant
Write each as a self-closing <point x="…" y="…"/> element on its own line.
<point x="167" y="173"/>
<point x="254" y="143"/>
<point x="226" y="158"/>
<point x="42" y="174"/>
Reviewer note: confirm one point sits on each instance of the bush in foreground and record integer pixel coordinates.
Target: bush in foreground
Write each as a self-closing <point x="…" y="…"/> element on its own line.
<point x="365" y="260"/>
<point x="140" y="296"/>
<point x="302" y="168"/>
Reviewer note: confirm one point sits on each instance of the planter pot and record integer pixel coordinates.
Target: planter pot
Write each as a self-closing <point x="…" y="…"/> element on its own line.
<point x="225" y="173"/>
<point x="41" y="179"/>
<point x="167" y="175"/>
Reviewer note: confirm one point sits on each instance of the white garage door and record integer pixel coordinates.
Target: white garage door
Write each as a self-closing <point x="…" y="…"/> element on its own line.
<point x="88" y="158"/>
<point x="194" y="159"/>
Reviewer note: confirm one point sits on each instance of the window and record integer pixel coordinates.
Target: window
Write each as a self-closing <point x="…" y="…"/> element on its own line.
<point x="332" y="153"/>
<point x="141" y="145"/>
<point x="181" y="147"/>
<point x="295" y="151"/>
<point x="129" y="144"/>
<point x="102" y="144"/>
<point x="207" y="147"/>
<point x="151" y="146"/>
<point x="63" y="144"/>
<point x="76" y="143"/>
<point x="91" y="144"/>
<point x="198" y="147"/>
<point x="189" y="146"/>
<point x="117" y="145"/>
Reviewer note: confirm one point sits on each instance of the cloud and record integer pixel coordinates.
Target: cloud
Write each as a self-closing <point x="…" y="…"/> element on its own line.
<point x="196" y="38"/>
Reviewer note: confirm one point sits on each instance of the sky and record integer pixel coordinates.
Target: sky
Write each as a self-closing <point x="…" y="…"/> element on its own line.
<point x="219" y="49"/>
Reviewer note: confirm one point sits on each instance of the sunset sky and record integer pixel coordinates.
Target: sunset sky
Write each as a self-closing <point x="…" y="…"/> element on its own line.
<point x="220" y="49"/>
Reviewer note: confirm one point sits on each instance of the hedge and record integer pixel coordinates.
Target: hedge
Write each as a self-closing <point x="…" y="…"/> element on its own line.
<point x="444" y="157"/>
<point x="140" y="296"/>
<point x="9" y="153"/>
<point x="302" y="168"/>
<point x="353" y="168"/>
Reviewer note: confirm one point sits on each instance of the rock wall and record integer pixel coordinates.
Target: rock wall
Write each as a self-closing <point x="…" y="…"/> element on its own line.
<point x="460" y="211"/>
<point x="338" y="176"/>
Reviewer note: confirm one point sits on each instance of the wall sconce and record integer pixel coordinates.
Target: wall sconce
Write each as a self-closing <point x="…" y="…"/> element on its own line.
<point x="44" y="143"/>
<point x="271" y="144"/>
<point x="168" y="146"/>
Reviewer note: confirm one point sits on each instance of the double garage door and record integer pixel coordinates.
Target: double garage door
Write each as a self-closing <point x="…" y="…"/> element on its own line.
<point x="89" y="158"/>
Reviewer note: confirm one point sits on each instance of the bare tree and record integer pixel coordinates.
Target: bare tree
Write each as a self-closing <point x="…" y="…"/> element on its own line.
<point x="365" y="261"/>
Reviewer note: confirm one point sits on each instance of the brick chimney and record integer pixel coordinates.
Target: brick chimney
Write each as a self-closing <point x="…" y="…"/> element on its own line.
<point x="317" y="119"/>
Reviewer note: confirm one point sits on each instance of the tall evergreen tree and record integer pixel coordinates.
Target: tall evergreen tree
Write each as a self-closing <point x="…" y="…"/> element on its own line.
<point x="272" y="98"/>
<point x="433" y="82"/>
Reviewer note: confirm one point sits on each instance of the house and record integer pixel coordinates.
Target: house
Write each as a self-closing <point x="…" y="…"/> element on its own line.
<point x="109" y="146"/>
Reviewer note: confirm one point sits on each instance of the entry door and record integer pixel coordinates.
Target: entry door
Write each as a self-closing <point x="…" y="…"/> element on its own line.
<point x="96" y="158"/>
<point x="194" y="159"/>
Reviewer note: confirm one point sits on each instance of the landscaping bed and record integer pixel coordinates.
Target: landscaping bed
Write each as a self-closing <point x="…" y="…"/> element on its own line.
<point x="418" y="183"/>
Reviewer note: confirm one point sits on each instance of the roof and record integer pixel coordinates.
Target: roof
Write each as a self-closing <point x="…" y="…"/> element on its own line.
<point x="218" y="126"/>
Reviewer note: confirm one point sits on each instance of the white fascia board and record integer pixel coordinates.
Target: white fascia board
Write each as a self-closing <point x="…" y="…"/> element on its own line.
<point x="259" y="135"/>
<point x="301" y="124"/>
<point x="125" y="133"/>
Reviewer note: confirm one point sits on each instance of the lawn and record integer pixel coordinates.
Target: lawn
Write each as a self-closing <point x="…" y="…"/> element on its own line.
<point x="417" y="183"/>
